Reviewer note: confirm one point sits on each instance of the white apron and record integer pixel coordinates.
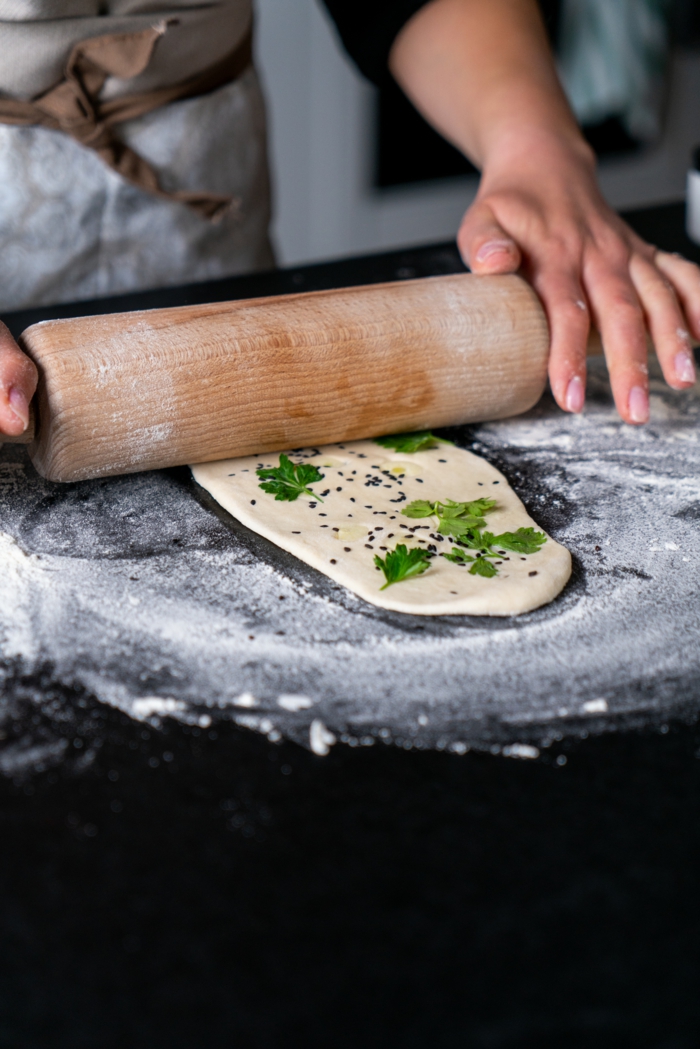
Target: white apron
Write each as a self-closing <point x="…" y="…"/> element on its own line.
<point x="72" y="228"/>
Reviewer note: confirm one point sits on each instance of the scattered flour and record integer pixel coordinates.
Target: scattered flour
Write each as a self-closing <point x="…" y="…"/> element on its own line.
<point x="141" y="591"/>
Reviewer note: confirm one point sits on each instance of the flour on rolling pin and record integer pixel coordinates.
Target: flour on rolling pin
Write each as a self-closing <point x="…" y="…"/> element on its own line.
<point x="414" y="524"/>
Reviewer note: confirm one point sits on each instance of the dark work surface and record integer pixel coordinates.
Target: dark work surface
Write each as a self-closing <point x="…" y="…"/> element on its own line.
<point x="203" y="887"/>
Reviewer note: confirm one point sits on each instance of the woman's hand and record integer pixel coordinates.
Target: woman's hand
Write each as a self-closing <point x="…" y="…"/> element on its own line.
<point x="18" y="379"/>
<point x="539" y="210"/>
<point x="483" y="74"/>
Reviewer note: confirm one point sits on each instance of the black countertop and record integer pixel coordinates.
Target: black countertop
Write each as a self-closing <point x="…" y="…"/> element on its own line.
<point x="198" y="885"/>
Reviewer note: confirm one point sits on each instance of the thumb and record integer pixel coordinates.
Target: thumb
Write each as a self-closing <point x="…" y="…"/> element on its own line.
<point x="484" y="245"/>
<point x="18" y="378"/>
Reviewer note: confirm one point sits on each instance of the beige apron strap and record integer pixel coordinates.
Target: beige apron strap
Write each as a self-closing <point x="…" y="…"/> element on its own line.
<point x="73" y="105"/>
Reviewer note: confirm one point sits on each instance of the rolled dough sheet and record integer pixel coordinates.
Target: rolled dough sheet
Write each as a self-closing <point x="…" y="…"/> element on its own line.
<point x="364" y="489"/>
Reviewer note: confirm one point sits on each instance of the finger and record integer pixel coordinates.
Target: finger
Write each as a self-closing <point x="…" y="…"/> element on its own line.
<point x="18" y="379"/>
<point x="618" y="315"/>
<point x="569" y="322"/>
<point x="484" y="245"/>
<point x="685" y="278"/>
<point x="665" y="322"/>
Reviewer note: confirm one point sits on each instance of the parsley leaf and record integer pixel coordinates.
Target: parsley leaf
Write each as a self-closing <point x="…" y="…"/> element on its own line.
<point x="524" y="541"/>
<point x="289" y="480"/>
<point x="457" y="519"/>
<point x="464" y="521"/>
<point x="402" y="563"/>
<point x="419" y="508"/>
<point x="479" y="565"/>
<point x="458" y="557"/>
<point x="459" y="526"/>
<point x="411" y="442"/>
<point x="483" y="567"/>
<point x="480" y="506"/>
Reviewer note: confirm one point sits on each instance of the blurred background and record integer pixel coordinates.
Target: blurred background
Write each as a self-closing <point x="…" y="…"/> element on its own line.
<point x="355" y="169"/>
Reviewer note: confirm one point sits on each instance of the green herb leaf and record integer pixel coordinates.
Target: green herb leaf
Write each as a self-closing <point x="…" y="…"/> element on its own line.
<point x="459" y="526"/>
<point x="419" y="508"/>
<point x="479" y="565"/>
<point x="402" y="563"/>
<point x="473" y="539"/>
<point x="454" y="518"/>
<point x="483" y="567"/>
<point x="481" y="506"/>
<point x="411" y="442"/>
<point x="459" y="557"/>
<point x="289" y="480"/>
<point x="524" y="541"/>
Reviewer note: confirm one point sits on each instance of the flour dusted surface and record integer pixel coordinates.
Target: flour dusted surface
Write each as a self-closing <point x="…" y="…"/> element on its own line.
<point x="357" y="515"/>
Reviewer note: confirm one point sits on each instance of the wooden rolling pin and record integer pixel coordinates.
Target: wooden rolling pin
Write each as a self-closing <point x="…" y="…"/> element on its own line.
<point x="139" y="391"/>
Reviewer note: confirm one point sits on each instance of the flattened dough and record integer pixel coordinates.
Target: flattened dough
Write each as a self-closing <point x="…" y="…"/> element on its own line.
<point x="364" y="489"/>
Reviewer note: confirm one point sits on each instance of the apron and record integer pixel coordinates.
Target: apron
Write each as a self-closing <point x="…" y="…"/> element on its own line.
<point x="71" y="226"/>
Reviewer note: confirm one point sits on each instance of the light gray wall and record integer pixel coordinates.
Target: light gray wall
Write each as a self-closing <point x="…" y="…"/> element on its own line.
<point x="320" y="112"/>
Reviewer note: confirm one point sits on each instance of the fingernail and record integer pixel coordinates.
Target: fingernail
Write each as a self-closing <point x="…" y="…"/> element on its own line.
<point x="639" y="404"/>
<point x="684" y="367"/>
<point x="575" y="395"/>
<point x="19" y="405"/>
<point x="493" y="247"/>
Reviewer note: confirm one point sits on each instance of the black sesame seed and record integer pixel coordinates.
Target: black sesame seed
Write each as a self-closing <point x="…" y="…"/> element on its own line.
<point x="296" y="533"/>
<point x="322" y="515"/>
<point x="390" y="535"/>
<point x="496" y="482"/>
<point x="281" y="597"/>
<point x="368" y="507"/>
<point x="532" y="573"/>
<point x="523" y="559"/>
<point x="252" y="502"/>
<point x="444" y="461"/>
<point x="327" y="492"/>
<point x="369" y="545"/>
<point x="333" y="561"/>
<point x="351" y="499"/>
<point x="420" y="480"/>
<point x="339" y="489"/>
<point x="347" y="549"/>
<point x="336" y="529"/>
<point x="382" y="548"/>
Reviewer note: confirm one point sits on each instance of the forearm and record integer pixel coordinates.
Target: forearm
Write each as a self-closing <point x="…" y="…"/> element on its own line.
<point x="482" y="73"/>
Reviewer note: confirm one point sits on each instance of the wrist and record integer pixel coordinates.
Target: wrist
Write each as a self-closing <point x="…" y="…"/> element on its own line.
<point x="544" y="151"/>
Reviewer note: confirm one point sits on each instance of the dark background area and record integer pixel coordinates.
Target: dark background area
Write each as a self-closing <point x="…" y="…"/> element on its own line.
<point x="186" y="886"/>
<point x="207" y="888"/>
